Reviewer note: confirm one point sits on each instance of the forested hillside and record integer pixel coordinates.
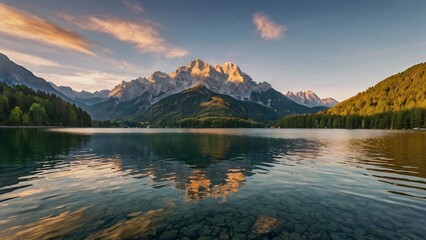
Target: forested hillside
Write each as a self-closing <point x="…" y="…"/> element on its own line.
<point x="403" y="91"/>
<point x="403" y="119"/>
<point x="398" y="102"/>
<point x="22" y="106"/>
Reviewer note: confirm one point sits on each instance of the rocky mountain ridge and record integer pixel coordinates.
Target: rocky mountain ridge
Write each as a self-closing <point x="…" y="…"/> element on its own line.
<point x="226" y="79"/>
<point x="310" y="99"/>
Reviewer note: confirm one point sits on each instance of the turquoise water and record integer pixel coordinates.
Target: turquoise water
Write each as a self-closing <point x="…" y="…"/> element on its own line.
<point x="212" y="184"/>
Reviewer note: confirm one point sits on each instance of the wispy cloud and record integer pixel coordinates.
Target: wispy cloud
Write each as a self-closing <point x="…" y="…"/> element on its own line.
<point x="144" y="36"/>
<point x="268" y="29"/>
<point x="27" y="59"/>
<point x="133" y="6"/>
<point x="88" y="80"/>
<point x="24" y="25"/>
<point x="175" y="52"/>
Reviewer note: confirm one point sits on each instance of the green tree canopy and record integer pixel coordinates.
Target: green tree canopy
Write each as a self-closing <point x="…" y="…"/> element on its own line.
<point x="20" y="105"/>
<point x="38" y="114"/>
<point x="15" y="117"/>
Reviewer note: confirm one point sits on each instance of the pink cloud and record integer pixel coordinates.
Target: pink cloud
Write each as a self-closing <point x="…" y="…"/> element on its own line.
<point x="268" y="29"/>
<point x="24" y="25"/>
<point x="144" y="36"/>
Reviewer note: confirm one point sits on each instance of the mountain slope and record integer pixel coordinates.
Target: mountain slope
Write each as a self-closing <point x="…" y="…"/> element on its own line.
<point x="282" y="104"/>
<point x="112" y="108"/>
<point x="200" y="102"/>
<point x="402" y="91"/>
<point x="310" y="99"/>
<point x="13" y="74"/>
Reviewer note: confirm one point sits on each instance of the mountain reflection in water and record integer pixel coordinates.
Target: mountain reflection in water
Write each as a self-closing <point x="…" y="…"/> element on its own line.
<point x="202" y="165"/>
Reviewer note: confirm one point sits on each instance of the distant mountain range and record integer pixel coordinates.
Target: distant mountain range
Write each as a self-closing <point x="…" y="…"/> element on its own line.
<point x="310" y="99"/>
<point x="136" y="99"/>
<point x="132" y="99"/>
<point x="72" y="94"/>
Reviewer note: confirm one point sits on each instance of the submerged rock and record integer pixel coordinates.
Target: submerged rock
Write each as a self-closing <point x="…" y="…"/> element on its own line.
<point x="264" y="224"/>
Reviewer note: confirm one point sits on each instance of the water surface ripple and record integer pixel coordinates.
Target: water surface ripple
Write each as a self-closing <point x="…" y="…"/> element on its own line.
<point x="213" y="183"/>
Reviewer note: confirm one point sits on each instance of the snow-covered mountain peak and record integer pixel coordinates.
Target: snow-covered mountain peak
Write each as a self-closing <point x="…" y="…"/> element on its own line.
<point x="225" y="79"/>
<point x="196" y="68"/>
<point x="263" y="86"/>
<point x="229" y="65"/>
<point x="289" y="93"/>
<point x="227" y="72"/>
<point x="310" y="98"/>
<point x="142" y="79"/>
<point x="158" y="76"/>
<point x="197" y="63"/>
<point x="218" y="68"/>
<point x="308" y="95"/>
<point x="234" y="72"/>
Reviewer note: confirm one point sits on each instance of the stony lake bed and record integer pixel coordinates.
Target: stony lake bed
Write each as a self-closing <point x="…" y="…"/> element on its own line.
<point x="212" y="184"/>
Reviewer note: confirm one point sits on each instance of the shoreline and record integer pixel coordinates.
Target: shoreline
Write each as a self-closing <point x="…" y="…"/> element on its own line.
<point x="48" y="127"/>
<point x="37" y="127"/>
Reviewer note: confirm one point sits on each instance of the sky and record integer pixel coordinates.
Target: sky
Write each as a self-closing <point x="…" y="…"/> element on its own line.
<point x="335" y="48"/>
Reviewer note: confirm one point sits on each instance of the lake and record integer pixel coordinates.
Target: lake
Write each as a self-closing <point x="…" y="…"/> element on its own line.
<point x="212" y="184"/>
